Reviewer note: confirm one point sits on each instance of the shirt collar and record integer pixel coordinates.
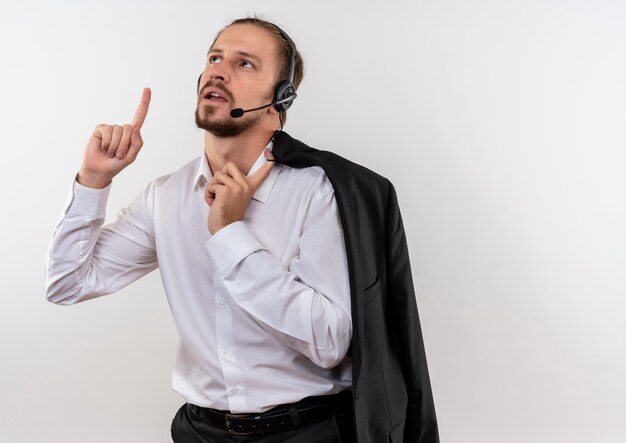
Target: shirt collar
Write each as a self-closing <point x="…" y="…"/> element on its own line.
<point x="203" y="175"/>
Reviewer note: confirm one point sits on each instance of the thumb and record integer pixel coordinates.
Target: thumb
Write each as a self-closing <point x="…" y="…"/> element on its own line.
<point x="135" y="136"/>
<point x="136" y="142"/>
<point x="255" y="180"/>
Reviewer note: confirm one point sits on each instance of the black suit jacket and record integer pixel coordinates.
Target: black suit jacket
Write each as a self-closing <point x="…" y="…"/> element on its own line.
<point x="392" y="396"/>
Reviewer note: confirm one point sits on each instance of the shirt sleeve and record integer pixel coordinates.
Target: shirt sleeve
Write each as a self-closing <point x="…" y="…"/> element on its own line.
<point x="307" y="305"/>
<point x="86" y="260"/>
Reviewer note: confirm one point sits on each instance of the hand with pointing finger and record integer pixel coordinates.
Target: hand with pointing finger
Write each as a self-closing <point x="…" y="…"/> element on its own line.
<point x="230" y="191"/>
<point x="111" y="148"/>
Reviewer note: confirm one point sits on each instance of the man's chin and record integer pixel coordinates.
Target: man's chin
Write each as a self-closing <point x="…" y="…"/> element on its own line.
<point x="224" y="127"/>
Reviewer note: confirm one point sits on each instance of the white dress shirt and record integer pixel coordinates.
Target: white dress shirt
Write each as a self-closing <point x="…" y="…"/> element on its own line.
<point x="262" y="307"/>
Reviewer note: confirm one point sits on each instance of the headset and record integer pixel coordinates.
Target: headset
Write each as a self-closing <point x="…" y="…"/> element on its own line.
<point x="285" y="92"/>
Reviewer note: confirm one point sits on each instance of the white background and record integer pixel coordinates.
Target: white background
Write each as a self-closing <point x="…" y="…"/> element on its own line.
<point x="501" y="123"/>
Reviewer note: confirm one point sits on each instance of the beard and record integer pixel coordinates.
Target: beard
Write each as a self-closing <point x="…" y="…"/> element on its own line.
<point x="226" y="127"/>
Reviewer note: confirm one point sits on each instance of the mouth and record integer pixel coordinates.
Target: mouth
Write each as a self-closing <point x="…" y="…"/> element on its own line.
<point x="214" y="95"/>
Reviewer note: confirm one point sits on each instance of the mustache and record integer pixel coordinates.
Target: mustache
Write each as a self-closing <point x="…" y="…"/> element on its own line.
<point x="218" y="85"/>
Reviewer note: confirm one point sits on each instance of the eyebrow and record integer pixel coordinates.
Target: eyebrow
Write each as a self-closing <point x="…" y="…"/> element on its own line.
<point x="242" y="53"/>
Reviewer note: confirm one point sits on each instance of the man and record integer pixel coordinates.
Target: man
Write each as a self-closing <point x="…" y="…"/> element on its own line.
<point x="276" y="304"/>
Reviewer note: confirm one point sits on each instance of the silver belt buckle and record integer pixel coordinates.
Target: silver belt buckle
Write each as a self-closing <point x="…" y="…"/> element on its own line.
<point x="229" y="425"/>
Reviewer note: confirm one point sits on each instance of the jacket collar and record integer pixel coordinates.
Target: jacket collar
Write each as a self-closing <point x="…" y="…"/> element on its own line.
<point x="292" y="152"/>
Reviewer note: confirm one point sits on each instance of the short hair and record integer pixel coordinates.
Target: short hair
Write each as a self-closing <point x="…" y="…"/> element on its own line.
<point x="284" y="51"/>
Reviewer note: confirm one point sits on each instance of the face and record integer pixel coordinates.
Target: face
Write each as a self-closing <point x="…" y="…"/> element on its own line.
<point x="241" y="72"/>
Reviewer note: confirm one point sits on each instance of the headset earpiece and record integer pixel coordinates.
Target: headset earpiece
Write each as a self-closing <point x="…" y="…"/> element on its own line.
<point x="284" y="91"/>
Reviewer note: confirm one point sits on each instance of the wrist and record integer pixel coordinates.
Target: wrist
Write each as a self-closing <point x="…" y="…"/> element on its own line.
<point x="91" y="181"/>
<point x="214" y="228"/>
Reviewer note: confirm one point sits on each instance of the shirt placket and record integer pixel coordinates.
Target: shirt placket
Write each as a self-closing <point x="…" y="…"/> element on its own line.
<point x="228" y="350"/>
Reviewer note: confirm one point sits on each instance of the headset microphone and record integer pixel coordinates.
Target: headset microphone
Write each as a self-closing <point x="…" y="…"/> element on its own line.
<point x="239" y="112"/>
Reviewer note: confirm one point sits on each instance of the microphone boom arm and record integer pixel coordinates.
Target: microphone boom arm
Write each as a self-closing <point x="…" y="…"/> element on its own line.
<point x="239" y="112"/>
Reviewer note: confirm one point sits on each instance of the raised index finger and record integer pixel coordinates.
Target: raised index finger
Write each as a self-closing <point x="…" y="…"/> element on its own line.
<point x="142" y="109"/>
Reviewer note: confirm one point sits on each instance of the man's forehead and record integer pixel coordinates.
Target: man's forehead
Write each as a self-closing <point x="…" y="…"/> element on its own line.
<point x="245" y="39"/>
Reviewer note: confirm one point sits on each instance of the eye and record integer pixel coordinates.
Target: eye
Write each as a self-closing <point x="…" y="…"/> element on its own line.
<point x="246" y="64"/>
<point x="215" y="59"/>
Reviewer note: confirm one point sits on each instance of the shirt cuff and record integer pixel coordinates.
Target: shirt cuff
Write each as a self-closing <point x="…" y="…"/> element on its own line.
<point x="88" y="202"/>
<point x="230" y="245"/>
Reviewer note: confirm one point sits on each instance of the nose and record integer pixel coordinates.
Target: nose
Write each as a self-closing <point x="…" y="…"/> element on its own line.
<point x="218" y="71"/>
<point x="211" y="74"/>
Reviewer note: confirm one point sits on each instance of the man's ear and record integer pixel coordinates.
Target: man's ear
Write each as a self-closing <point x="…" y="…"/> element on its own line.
<point x="272" y="110"/>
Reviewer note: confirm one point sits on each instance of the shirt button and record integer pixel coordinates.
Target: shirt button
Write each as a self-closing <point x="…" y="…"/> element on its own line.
<point x="233" y="391"/>
<point x="225" y="351"/>
<point x="221" y="304"/>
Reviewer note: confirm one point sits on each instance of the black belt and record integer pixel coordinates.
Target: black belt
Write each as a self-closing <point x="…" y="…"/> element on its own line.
<point x="281" y="418"/>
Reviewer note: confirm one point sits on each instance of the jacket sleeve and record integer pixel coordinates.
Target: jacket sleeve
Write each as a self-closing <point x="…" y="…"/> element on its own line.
<point x="406" y="334"/>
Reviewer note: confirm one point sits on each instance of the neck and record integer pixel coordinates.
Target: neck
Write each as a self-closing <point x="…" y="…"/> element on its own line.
<point x="242" y="150"/>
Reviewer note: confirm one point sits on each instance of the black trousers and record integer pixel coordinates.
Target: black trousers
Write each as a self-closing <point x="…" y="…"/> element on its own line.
<point x="189" y="427"/>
